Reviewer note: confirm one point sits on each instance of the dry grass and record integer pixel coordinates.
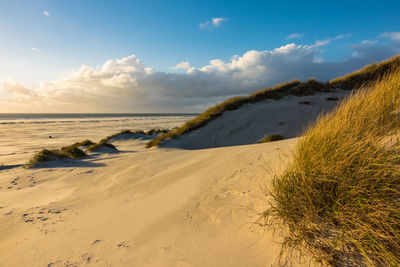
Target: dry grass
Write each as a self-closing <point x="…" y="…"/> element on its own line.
<point x="340" y="197"/>
<point x="351" y="81"/>
<point x="367" y="74"/>
<point x="100" y="145"/>
<point x="74" y="151"/>
<point x="137" y="132"/>
<point x="68" y="152"/>
<point x="271" y="138"/>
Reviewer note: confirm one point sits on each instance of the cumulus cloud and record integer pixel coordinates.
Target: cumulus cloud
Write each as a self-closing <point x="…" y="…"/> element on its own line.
<point x="182" y="65"/>
<point x="128" y="85"/>
<point x="46" y="13"/>
<point x="34" y="49"/>
<point x="213" y="23"/>
<point x="294" y="36"/>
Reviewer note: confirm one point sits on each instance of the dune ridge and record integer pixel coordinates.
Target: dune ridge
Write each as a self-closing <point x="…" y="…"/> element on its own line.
<point x="349" y="82"/>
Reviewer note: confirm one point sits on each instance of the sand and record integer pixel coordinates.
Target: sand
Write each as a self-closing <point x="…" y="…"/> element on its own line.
<point x="138" y="207"/>
<point x="163" y="206"/>
<point x="248" y="124"/>
<point x="21" y="138"/>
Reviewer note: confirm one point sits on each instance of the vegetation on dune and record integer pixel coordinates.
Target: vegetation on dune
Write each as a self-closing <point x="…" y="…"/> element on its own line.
<point x="137" y="132"/>
<point x="84" y="143"/>
<point x="69" y="152"/>
<point x="100" y="145"/>
<point x="340" y="196"/>
<point x="365" y="75"/>
<point x="351" y="81"/>
<point x="76" y="150"/>
<point x="271" y="138"/>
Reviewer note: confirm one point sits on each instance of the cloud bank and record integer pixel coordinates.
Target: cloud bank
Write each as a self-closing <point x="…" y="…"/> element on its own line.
<point x="128" y="85"/>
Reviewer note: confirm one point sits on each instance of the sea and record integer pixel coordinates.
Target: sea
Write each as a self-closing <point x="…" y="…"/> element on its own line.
<point x="23" y="134"/>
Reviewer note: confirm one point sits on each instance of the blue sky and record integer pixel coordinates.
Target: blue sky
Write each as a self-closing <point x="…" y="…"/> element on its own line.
<point x="44" y="42"/>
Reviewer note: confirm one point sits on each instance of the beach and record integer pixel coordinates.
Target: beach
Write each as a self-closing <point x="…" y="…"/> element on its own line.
<point x="22" y="135"/>
<point x="142" y="207"/>
<point x="173" y="205"/>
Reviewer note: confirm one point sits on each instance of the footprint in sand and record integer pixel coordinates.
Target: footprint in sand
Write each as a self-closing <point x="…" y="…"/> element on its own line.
<point x="96" y="242"/>
<point x="40" y="214"/>
<point x="123" y="245"/>
<point x="9" y="213"/>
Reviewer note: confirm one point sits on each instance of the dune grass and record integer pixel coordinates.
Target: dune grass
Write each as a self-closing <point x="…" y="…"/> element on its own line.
<point x="68" y="152"/>
<point x="271" y="138"/>
<point x="351" y="81"/>
<point x="97" y="146"/>
<point x="74" y="151"/>
<point x="340" y="197"/>
<point x="138" y="132"/>
<point x="367" y="74"/>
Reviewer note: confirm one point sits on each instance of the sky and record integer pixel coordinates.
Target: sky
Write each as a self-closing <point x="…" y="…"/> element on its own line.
<point x="179" y="56"/>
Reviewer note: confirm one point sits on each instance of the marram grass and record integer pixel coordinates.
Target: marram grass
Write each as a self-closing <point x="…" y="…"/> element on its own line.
<point x="340" y="196"/>
<point x="271" y="138"/>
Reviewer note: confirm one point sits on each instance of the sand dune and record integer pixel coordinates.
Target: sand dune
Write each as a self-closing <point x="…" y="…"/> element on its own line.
<point x="154" y="207"/>
<point x="248" y="124"/>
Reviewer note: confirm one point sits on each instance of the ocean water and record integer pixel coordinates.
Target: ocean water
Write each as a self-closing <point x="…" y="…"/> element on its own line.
<point x="21" y="135"/>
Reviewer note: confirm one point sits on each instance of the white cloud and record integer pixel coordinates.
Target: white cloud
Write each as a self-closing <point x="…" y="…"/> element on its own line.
<point x="213" y="23"/>
<point x="185" y="65"/>
<point x="329" y="40"/>
<point x="294" y="36"/>
<point x="395" y="36"/>
<point x="369" y="42"/>
<point x="34" y="49"/>
<point x="322" y="42"/>
<point x="217" y="21"/>
<point x="128" y="85"/>
<point x="46" y="13"/>
<point x="341" y="36"/>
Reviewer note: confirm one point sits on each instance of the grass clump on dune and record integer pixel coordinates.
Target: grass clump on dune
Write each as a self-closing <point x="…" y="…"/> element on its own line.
<point x="99" y="145"/>
<point x="137" y="132"/>
<point x="340" y="196"/>
<point x="69" y="152"/>
<point x="271" y="138"/>
<point x="74" y="151"/>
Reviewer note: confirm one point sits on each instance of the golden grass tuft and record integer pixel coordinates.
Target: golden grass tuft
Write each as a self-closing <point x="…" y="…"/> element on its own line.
<point x="271" y="138"/>
<point x="69" y="152"/>
<point x="340" y="196"/>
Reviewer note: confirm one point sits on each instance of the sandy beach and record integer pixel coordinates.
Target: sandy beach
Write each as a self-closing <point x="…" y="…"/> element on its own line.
<point x="155" y="207"/>
<point x="21" y="138"/>
<point x="164" y="206"/>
